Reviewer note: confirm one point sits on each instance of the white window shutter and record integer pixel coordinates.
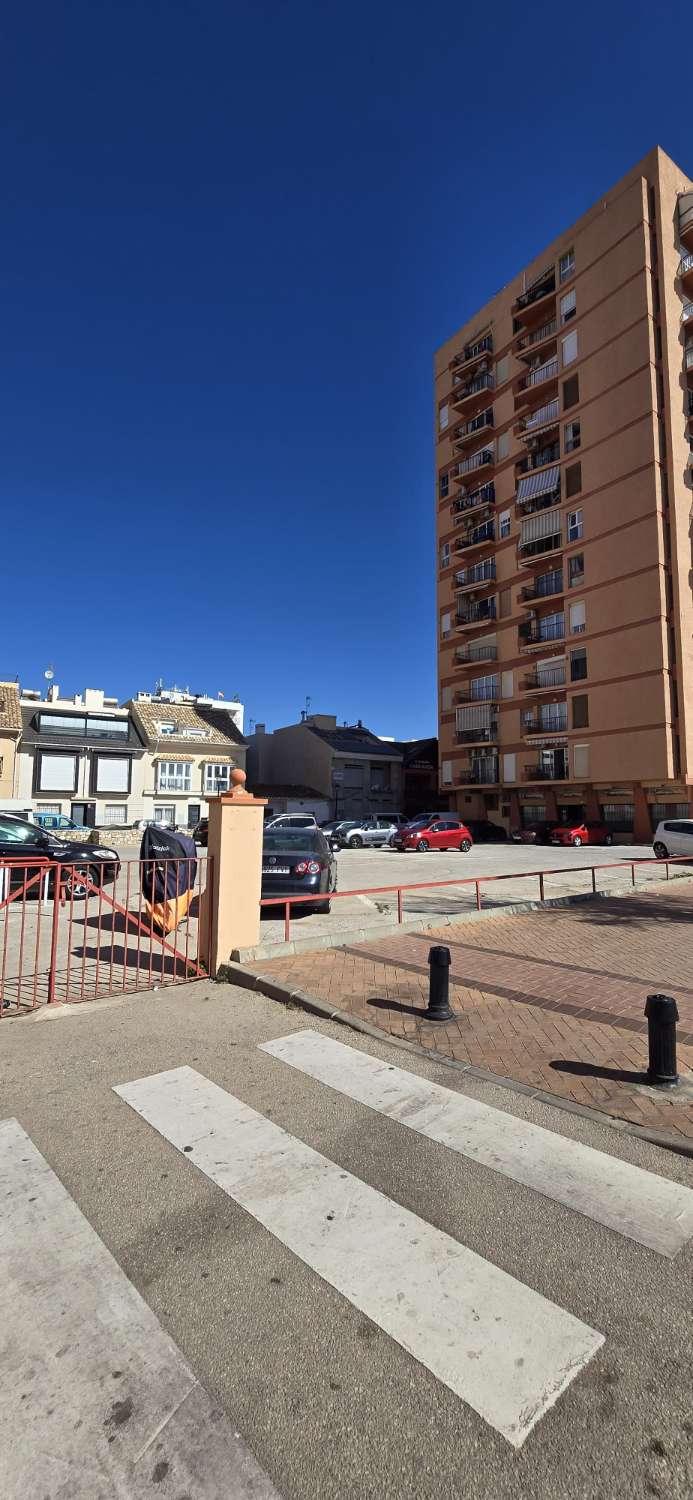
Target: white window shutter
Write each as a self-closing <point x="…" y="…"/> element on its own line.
<point x="443" y="417"/>
<point x="446" y="699"/>
<point x="569" y="346"/>
<point x="446" y="772"/>
<point x="445" y="624"/>
<point x="510" y="767"/>
<point x="507" y="686"/>
<point x="577" y="617"/>
<point x="503" y="445"/>
<point x="581" y="760"/>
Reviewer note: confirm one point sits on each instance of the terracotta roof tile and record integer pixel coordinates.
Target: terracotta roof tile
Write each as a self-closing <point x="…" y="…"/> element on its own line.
<point x="184" y="716"/>
<point x="10" y="712"/>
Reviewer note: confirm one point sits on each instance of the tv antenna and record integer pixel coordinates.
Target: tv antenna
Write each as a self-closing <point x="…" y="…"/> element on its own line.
<point x="49" y="674"/>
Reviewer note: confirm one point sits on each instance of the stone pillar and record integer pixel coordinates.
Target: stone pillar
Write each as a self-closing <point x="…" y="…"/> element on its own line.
<point x="230" y="907"/>
<point x="642" y="817"/>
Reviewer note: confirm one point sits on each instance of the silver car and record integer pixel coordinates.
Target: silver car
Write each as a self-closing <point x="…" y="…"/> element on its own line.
<point x="371" y="831"/>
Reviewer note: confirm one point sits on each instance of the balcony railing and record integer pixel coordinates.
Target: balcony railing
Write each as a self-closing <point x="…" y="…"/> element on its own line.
<point x="541" y="544"/>
<point x="540" y="288"/>
<point x="473" y="351"/>
<point x="544" y="416"/>
<point x="480" y="773"/>
<point x="475" y="461"/>
<point x="472" y="694"/>
<point x="475" y="614"/>
<point x="534" y="633"/>
<point x="548" y="583"/>
<point x="545" y="677"/>
<point x="549" y="371"/>
<point x="554" y="723"/>
<point x="484" y="495"/>
<point x="686" y="264"/>
<point x="689" y="357"/>
<point x="484" y="734"/>
<point x="538" y="459"/>
<point x="477" y="424"/>
<point x="482" y="573"/>
<point x="557" y="771"/>
<point x="462" y="389"/>
<point x="537" y="336"/>
<point x="476" y="535"/>
<point x="475" y="653"/>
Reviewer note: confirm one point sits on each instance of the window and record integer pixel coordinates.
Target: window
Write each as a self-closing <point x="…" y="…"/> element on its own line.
<point x="445" y="554"/>
<point x="62" y="724"/>
<point x="381" y="778"/>
<point x="111" y="773"/>
<point x="174" y="776"/>
<point x="571" y="436"/>
<point x="567" y="306"/>
<point x="578" y="664"/>
<point x="196" y="734"/>
<point x="49" y="807"/>
<point x="569" y="346"/>
<point x="574" y="525"/>
<point x="507" y="685"/>
<point x="106" y="729"/>
<point x="166" y="726"/>
<point x="483" y="688"/>
<point x="510" y="768"/>
<point x="502" y="370"/>
<point x="216" y="778"/>
<point x="581" y="761"/>
<point x="446" y="773"/>
<point x="504" y="524"/>
<point x="353" y="776"/>
<point x="571" y="392"/>
<point x="503" y="445"/>
<point x="576" y="569"/>
<point x="165" y="815"/>
<point x="56" y="773"/>
<point x="444" y="485"/>
<point x="443" y="417"/>
<point x="566" y="265"/>
<point x="446" y="699"/>
<point x="580" y="714"/>
<point x="445" y="625"/>
<point x="573" y="480"/>
<point x="114" y="813"/>
<point x="577" y="618"/>
<point x="194" y="811"/>
<point x="619" y="816"/>
<point x="17" y="833"/>
<point x="662" y="810"/>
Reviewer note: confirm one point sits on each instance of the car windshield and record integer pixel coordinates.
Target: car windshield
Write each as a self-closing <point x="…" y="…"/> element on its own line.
<point x="418" y="823"/>
<point x="293" y="838"/>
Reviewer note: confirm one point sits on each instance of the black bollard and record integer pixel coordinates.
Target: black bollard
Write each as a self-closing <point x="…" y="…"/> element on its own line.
<point x="439" y="985"/>
<point x="662" y="1016"/>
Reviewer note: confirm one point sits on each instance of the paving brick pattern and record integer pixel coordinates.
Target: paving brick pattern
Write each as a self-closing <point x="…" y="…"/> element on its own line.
<point x="553" y="999"/>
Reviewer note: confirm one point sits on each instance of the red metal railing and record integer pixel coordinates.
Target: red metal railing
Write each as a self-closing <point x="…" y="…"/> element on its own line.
<point x="476" y="880"/>
<point x="65" y="936"/>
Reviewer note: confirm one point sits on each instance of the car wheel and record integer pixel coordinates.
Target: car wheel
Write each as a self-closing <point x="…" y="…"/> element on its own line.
<point x="464" y="846"/>
<point x="661" y="851"/>
<point x="423" y="846"/>
<point x="577" y="841"/>
<point x="74" y="883"/>
<point x="608" y="840"/>
<point x="355" y="843"/>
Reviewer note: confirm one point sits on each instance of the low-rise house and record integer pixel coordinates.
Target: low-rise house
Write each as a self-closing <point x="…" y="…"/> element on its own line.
<point x="10" y="730"/>
<point x="81" y="757"/>
<point x="192" y="744"/>
<point x="358" y="774"/>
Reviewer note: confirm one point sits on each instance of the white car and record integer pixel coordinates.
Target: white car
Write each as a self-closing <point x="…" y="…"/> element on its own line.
<point x="674" y="837"/>
<point x="291" y="820"/>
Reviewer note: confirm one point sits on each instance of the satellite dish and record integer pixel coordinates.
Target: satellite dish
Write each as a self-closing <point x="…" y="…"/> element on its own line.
<point x="49" y="674"/>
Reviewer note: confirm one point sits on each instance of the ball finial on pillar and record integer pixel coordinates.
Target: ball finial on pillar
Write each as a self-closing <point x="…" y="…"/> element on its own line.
<point x="238" y="779"/>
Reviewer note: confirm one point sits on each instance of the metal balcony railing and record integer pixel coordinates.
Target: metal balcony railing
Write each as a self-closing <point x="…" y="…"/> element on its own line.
<point x="540" y="288"/>
<point x="462" y="388"/>
<point x="481" y="573"/>
<point x="548" y="583"/>
<point x="686" y="264"/>
<point x="476" y="613"/>
<point x="485" y="533"/>
<point x="480" y="773"/>
<point x="689" y="357"/>
<point x="557" y="771"/>
<point x="471" y="694"/>
<point x="477" y="424"/>
<point x="554" y="723"/>
<point x="484" y="734"/>
<point x="545" y="416"/>
<point x="535" y="633"/>
<point x="473" y="351"/>
<point x="548" y="371"/>
<point x="687" y="312"/>
<point x="484" y="495"/>
<point x="546" y="677"/>
<point x="475" y="653"/>
<point x="539" y="459"/>
<point x="475" y="461"/>
<point x="538" y="335"/>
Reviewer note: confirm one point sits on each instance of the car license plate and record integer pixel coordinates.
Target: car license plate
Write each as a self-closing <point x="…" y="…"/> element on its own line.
<point x="275" y="870"/>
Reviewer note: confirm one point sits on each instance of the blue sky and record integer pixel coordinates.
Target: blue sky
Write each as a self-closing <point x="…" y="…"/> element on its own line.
<point x="234" y="233"/>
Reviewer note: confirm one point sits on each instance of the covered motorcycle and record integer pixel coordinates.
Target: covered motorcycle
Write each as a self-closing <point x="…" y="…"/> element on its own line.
<point x="169" y="869"/>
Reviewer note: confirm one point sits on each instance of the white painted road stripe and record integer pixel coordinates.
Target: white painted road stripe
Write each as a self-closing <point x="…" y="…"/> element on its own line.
<point x="507" y="1351"/>
<point x="646" y="1208"/>
<point x="96" y="1401"/>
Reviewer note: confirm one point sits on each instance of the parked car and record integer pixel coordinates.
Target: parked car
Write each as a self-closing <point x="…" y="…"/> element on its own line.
<point x="54" y="820"/>
<point x="423" y="820"/>
<point x="483" y="831"/>
<point x="200" y="832"/>
<point x="370" y="831"/>
<point x="674" y="837"/>
<point x="291" y="820"/>
<point x="298" y="862"/>
<point x="534" y="833"/>
<point x="581" y="833"/>
<point x="442" y="832"/>
<point x="20" y="839"/>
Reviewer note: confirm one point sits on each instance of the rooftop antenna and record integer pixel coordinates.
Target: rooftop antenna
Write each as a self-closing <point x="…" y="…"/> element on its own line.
<point x="49" y="674"/>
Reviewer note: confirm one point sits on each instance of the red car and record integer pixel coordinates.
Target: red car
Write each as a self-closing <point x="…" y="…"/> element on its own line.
<point x="582" y="833"/>
<point x="436" y="833"/>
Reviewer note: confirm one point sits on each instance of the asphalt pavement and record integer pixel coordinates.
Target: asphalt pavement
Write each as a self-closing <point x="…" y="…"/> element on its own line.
<point x="274" y="1228"/>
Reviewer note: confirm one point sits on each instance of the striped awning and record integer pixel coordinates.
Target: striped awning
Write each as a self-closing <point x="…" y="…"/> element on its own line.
<point x="547" y="523"/>
<point x="541" y="483"/>
<point x="480" y="716"/>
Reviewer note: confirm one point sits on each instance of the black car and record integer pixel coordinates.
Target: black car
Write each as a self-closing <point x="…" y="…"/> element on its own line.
<point x="298" y="862"/>
<point x="200" y="832"/>
<point x="483" y="831"/>
<point x="534" y="833"/>
<point x="21" y="840"/>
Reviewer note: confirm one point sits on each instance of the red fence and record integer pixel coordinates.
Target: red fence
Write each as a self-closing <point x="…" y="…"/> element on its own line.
<point x="476" y="880"/>
<point x="65" y="935"/>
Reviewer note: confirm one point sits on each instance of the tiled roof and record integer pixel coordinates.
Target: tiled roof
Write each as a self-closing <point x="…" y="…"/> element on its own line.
<point x="184" y="716"/>
<point x="355" y="741"/>
<point x="10" y="712"/>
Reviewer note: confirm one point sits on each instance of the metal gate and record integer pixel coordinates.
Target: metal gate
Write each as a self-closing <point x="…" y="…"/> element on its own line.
<point x="65" y="936"/>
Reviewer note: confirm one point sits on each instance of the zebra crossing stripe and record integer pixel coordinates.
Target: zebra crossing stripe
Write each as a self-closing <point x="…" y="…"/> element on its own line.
<point x="650" y="1209"/>
<point x="503" y="1348"/>
<point x="96" y="1398"/>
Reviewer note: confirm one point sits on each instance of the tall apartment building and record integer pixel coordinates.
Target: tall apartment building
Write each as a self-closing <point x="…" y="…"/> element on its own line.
<point x="564" y="425"/>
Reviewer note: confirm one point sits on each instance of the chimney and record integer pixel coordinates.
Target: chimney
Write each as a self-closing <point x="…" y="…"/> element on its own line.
<point x="53" y="693"/>
<point x="259" y="728"/>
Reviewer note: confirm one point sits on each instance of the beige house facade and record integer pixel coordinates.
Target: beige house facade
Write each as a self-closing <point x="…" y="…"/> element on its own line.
<point x="359" y="774"/>
<point x="564" y="434"/>
<point x="10" y="730"/>
<point x="191" y="746"/>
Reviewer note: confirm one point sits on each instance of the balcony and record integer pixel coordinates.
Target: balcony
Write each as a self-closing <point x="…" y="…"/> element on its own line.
<point x="539" y="421"/>
<point x="479" y="499"/>
<point x="544" y="679"/>
<point x="533" y="550"/>
<point x="482" y="772"/>
<point x="685" y="212"/>
<point x="475" y="351"/>
<point x="688" y="356"/>
<point x="483" y="734"/>
<point x="464" y="390"/>
<point x="527" y="345"/>
<point x="543" y="586"/>
<point x="481" y="460"/>
<point x="470" y="616"/>
<point x="532" y="303"/>
<point x="474" y="652"/>
<point x="467" y="430"/>
<point x="687" y="312"/>
<point x="472" y="694"/>
<point x="478" y="576"/>
<point x="546" y="723"/>
<point x="533" y="633"/>
<point x="535" y="381"/>
<point x="555" y="769"/>
<point x="538" y="458"/>
<point x="686" y="268"/>
<point x="476" y="537"/>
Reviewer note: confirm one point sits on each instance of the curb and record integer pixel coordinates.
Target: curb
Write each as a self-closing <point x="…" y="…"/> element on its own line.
<point x="360" y="934"/>
<point x="247" y="978"/>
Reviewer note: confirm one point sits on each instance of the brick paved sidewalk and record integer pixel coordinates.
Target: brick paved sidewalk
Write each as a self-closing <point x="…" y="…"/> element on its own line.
<point x="552" y="998"/>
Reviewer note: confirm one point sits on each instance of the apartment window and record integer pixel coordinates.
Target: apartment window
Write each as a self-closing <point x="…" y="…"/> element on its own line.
<point x="578" y="664"/>
<point x="573" y="480"/>
<point x="571" y="436"/>
<point x="445" y="625"/>
<point x="444" y="485"/>
<point x="114" y="813"/>
<point x="503" y="445"/>
<point x="577" y="618"/>
<point x="619" y="816"/>
<point x="446" y="773"/>
<point x="574" y="525"/>
<point x="502" y="370"/>
<point x="504" y="524"/>
<point x="446" y="699"/>
<point x="576" y="569"/>
<point x="580" y="714"/>
<point x="174" y="776"/>
<point x="569" y="346"/>
<point x="571" y="392"/>
<point x="49" y="807"/>
<point x="111" y="773"/>
<point x="443" y="417"/>
<point x="353" y="776"/>
<point x="165" y="815"/>
<point x="566" y="265"/>
<point x="165" y="726"/>
<point x="381" y="778"/>
<point x="56" y="773"/>
<point x="483" y="688"/>
<point x="510" y="768"/>
<point x="567" y="306"/>
<point x="581" y="761"/>
<point x="445" y="554"/>
<point x="217" y="778"/>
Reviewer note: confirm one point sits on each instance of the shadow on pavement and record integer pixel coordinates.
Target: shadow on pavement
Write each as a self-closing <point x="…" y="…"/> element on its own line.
<point x="593" y="1070"/>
